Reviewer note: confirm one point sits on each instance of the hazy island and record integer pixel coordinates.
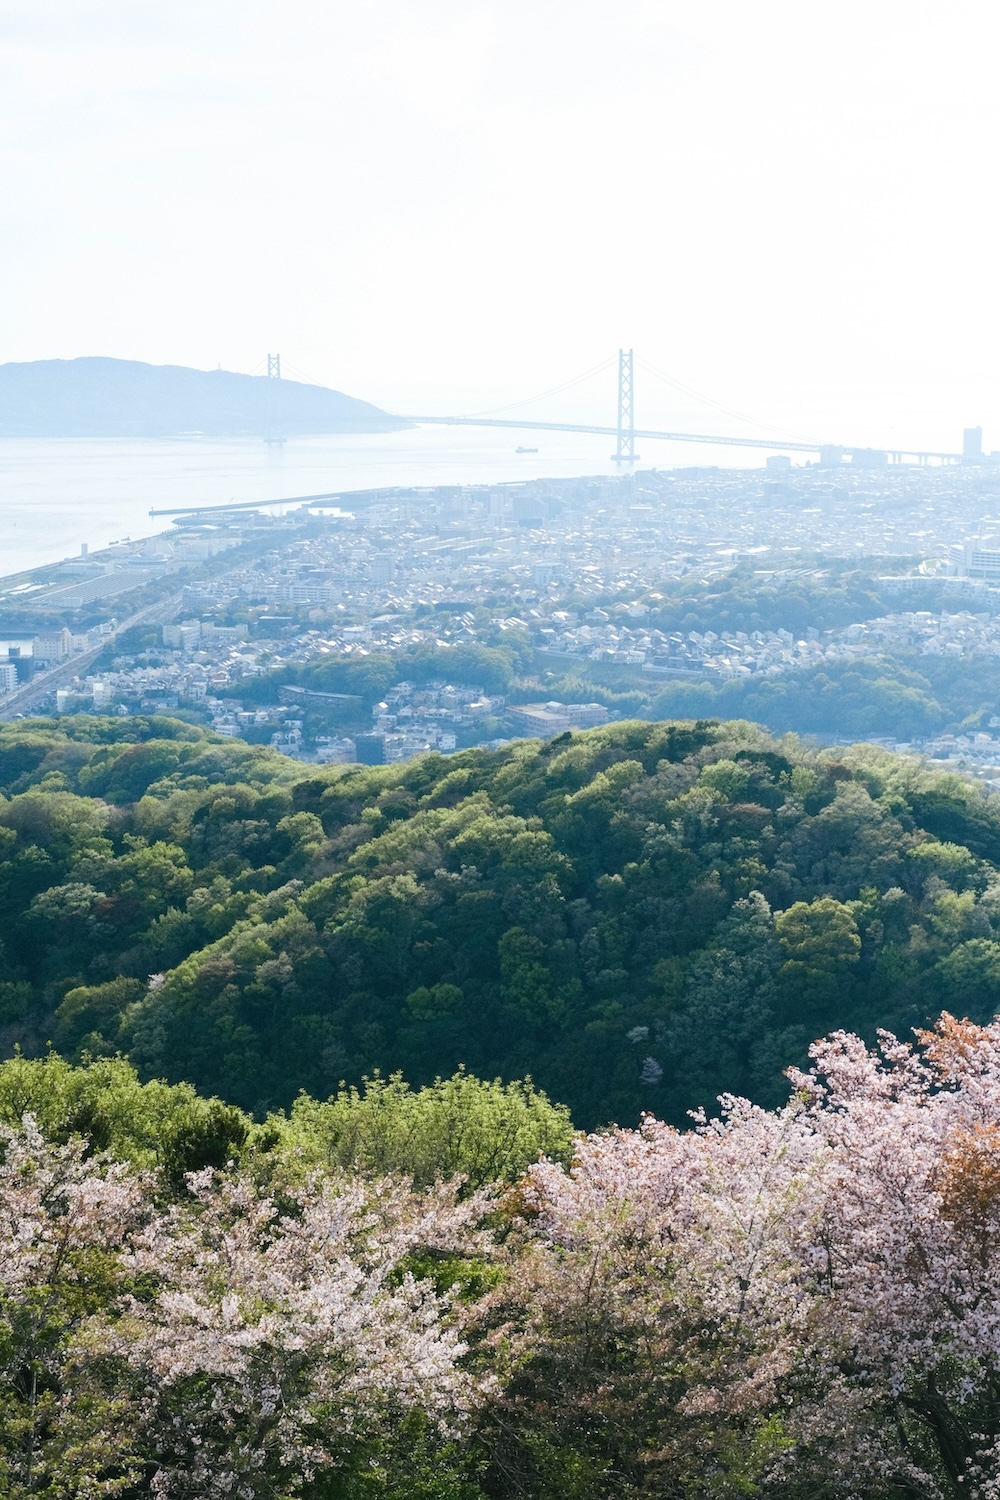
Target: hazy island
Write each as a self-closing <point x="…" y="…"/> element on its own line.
<point x="110" y="398"/>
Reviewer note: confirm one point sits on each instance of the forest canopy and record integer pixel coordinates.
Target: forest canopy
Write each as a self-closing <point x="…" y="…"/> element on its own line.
<point x="293" y="1194"/>
<point x="639" y="917"/>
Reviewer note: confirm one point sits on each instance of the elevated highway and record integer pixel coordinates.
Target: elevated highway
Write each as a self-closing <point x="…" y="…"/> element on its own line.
<point x="16" y="704"/>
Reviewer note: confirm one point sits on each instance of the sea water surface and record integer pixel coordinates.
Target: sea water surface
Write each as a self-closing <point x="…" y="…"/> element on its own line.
<point x="57" y="494"/>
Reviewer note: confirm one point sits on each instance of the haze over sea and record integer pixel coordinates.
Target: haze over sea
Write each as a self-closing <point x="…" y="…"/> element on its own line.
<point x="57" y="494"/>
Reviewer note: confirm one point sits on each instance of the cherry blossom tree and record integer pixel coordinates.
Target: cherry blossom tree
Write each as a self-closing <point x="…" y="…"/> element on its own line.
<point x="278" y="1336"/>
<point x="223" y="1344"/>
<point x="905" y="1255"/>
<point x="781" y="1303"/>
<point x="809" y="1297"/>
<point x="665" y="1311"/>
<point x="63" y="1222"/>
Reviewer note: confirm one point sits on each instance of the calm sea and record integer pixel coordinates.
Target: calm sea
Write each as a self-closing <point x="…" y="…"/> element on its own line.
<point x="57" y="494"/>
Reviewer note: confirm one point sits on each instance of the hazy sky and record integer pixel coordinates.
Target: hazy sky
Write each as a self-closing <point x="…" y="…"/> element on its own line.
<point x="791" y="206"/>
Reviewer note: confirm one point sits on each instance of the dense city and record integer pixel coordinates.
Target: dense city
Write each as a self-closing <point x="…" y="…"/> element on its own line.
<point x="247" y="621"/>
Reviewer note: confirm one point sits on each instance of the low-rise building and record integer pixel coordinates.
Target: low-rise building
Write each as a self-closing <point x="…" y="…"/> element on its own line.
<point x="555" y="718"/>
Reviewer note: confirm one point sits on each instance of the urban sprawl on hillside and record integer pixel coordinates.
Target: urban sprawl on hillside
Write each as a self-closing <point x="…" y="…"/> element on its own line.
<point x="391" y="623"/>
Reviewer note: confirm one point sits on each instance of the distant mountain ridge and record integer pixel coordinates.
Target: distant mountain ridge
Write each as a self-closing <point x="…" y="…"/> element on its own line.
<point x="97" y="397"/>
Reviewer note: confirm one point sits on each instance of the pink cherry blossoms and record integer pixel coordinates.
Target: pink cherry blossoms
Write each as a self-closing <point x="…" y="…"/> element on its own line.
<point x="790" y="1303"/>
<point x="828" y="1274"/>
<point x="279" y="1332"/>
<point x="220" y="1345"/>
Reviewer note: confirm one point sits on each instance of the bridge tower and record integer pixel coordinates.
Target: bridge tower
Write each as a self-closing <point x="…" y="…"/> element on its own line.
<point x="626" y="414"/>
<point x="274" y="433"/>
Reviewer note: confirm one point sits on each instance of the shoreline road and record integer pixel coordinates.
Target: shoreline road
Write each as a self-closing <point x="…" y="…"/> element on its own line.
<point x="14" y="704"/>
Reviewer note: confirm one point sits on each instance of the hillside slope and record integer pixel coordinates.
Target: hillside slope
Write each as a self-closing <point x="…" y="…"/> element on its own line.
<point x="124" y="398"/>
<point x="639" y="916"/>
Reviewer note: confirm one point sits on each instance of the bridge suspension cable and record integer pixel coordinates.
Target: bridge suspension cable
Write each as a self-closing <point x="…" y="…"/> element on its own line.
<point x="739" y="416"/>
<point x="555" y="390"/>
<point x="626" y="432"/>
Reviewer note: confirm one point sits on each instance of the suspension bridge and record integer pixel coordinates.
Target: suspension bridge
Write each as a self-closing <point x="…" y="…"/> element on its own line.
<point x="624" y="432"/>
<point x="627" y="434"/>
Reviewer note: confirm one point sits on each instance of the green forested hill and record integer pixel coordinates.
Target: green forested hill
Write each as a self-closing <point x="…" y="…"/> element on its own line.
<point x="638" y="916"/>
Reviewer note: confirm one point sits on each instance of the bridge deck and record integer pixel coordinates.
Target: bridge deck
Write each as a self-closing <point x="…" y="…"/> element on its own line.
<point x="772" y="445"/>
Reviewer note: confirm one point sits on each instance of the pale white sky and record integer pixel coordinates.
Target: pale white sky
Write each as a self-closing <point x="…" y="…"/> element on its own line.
<point x="453" y="203"/>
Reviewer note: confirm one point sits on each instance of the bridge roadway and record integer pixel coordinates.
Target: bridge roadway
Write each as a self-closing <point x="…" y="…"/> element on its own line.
<point x="359" y="499"/>
<point x="773" y="445"/>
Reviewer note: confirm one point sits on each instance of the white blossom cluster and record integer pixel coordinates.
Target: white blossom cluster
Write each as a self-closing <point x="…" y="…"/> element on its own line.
<point x="247" y="1344"/>
<point x="780" y="1303"/>
<point x="835" y="1263"/>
